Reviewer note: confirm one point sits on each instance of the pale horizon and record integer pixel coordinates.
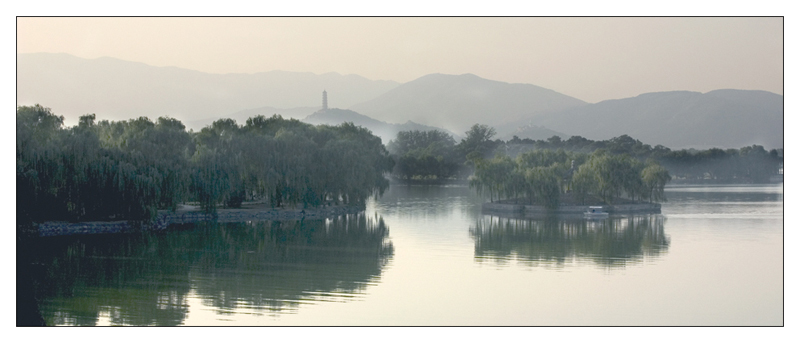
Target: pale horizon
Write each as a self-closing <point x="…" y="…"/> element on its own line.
<point x="592" y="59"/>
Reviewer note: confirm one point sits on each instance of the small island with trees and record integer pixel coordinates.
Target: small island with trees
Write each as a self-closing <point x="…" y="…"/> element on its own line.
<point x="537" y="177"/>
<point x="537" y="181"/>
<point x="545" y="181"/>
<point x="559" y="182"/>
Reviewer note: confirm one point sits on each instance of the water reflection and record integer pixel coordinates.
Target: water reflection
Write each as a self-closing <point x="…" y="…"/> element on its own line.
<point x="254" y="267"/>
<point x="725" y="193"/>
<point x="557" y="241"/>
<point x="428" y="201"/>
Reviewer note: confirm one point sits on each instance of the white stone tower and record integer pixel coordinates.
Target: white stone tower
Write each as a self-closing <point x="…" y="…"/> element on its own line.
<point x="324" y="100"/>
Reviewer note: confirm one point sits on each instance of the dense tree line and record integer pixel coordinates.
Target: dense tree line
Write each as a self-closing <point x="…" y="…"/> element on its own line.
<point x="543" y="176"/>
<point x="747" y="164"/>
<point x="131" y="169"/>
<point x="425" y="155"/>
<point x="422" y="155"/>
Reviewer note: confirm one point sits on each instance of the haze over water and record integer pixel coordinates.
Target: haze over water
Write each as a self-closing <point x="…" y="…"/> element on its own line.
<point x="421" y="255"/>
<point x="425" y="255"/>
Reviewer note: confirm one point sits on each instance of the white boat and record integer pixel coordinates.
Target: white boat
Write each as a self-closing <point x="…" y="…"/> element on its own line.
<point x="595" y="212"/>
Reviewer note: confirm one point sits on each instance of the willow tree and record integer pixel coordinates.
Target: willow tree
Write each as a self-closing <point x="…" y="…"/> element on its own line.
<point x="558" y="161"/>
<point x="493" y="176"/>
<point x="542" y="176"/>
<point x="38" y="170"/>
<point x="654" y="178"/>
<point x="210" y="180"/>
<point x="369" y="161"/>
<point x="161" y="148"/>
<point x="90" y="171"/>
<point x="584" y="182"/>
<point x="288" y="163"/>
<point x="130" y="169"/>
<point x="632" y="183"/>
<point x="542" y="183"/>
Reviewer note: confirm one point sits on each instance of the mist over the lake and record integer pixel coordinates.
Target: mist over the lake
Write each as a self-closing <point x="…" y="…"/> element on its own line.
<point x="401" y="171"/>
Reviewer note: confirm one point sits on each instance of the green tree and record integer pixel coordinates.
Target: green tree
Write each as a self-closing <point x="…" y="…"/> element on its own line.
<point x="477" y="142"/>
<point x="542" y="183"/>
<point x="584" y="182"/>
<point x="654" y="178"/>
<point x="424" y="154"/>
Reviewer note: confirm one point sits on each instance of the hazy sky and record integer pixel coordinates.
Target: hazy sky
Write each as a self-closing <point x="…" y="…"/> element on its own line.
<point x="592" y="59"/>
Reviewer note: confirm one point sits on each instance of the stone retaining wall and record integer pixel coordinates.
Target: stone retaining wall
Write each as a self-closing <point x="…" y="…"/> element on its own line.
<point x="518" y="209"/>
<point x="164" y="219"/>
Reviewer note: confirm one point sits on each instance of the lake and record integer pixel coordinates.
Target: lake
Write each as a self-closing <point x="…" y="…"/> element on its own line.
<point x="425" y="255"/>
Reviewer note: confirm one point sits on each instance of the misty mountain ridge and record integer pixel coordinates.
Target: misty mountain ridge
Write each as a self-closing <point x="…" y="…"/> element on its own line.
<point x="121" y="90"/>
<point x="724" y="118"/>
<point x="118" y="90"/>
<point x="387" y="131"/>
<point x="456" y="102"/>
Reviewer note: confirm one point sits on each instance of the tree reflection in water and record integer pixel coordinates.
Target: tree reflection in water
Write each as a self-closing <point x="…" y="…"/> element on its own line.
<point x="252" y="267"/>
<point x="556" y="241"/>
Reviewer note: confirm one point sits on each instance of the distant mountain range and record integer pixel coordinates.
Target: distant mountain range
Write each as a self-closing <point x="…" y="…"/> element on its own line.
<point x="456" y="102"/>
<point x="118" y="90"/>
<point x="722" y="118"/>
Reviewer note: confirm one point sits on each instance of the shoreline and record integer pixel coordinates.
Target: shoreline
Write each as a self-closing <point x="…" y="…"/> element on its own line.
<point x="190" y="214"/>
<point x="501" y="209"/>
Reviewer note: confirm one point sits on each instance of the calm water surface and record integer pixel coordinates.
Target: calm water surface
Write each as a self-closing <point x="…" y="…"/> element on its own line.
<point x="425" y="255"/>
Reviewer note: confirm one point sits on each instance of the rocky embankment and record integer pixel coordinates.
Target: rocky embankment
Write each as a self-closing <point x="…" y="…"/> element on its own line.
<point x="189" y="214"/>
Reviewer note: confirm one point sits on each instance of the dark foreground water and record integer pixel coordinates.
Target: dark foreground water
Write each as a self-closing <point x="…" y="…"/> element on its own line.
<point x="425" y="255"/>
